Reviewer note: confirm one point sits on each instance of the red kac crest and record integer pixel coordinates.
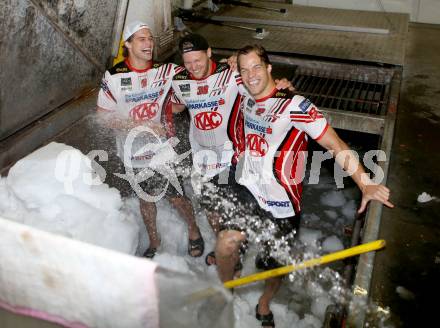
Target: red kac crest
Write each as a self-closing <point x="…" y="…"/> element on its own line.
<point x="144" y="112"/>
<point x="257" y="145"/>
<point x="207" y="120"/>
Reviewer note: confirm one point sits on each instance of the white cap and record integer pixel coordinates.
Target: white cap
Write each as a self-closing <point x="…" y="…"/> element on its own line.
<point x="132" y="28"/>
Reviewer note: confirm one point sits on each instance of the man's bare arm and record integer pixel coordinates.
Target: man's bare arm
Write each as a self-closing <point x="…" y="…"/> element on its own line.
<point x="350" y="163"/>
<point x="178" y="108"/>
<point x="113" y="121"/>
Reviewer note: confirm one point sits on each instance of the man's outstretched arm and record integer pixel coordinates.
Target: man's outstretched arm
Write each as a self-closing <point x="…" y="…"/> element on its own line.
<point x="350" y="163"/>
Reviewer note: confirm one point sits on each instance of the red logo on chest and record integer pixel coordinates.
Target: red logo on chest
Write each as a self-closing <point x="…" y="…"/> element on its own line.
<point x="144" y="111"/>
<point x="207" y="120"/>
<point x="257" y="145"/>
<point x="202" y="89"/>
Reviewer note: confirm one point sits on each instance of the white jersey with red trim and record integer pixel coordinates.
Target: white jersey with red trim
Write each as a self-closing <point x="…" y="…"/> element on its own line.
<point x="138" y="95"/>
<point x="210" y="102"/>
<point x="276" y="129"/>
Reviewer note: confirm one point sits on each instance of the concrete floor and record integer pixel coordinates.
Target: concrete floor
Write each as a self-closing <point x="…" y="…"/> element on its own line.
<point x="411" y="259"/>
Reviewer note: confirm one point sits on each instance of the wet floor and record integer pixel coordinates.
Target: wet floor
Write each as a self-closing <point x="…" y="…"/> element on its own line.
<point x="405" y="276"/>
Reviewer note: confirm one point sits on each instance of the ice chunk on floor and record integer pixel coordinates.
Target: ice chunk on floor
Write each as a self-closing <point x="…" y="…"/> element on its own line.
<point x="310" y="237"/>
<point x="332" y="244"/>
<point x="405" y="293"/>
<point x="333" y="198"/>
<point x="349" y="210"/>
<point x="319" y="306"/>
<point x="424" y="197"/>
<point x="51" y="189"/>
<point x="331" y="214"/>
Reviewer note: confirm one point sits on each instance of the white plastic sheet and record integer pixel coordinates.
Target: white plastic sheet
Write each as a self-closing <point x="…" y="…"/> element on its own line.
<point x="72" y="283"/>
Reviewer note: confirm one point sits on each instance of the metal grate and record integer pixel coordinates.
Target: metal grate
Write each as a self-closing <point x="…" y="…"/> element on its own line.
<point x="342" y="92"/>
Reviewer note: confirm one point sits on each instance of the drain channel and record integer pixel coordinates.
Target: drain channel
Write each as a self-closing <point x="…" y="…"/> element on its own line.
<point x="345" y="93"/>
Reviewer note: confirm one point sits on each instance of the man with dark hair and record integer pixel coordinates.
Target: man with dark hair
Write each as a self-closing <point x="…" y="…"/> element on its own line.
<point x="209" y="90"/>
<point x="277" y="125"/>
<point x="133" y="94"/>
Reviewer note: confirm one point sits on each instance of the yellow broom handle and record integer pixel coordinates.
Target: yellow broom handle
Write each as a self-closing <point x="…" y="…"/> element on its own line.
<point x="363" y="248"/>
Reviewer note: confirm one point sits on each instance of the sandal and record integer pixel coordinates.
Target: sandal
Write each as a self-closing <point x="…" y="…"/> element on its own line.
<point x="212" y="256"/>
<point x="196" y="245"/>
<point x="266" y="319"/>
<point x="150" y="252"/>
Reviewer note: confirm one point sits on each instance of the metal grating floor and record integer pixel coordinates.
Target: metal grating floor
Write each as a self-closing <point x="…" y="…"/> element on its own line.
<point x="382" y="48"/>
<point x="342" y="93"/>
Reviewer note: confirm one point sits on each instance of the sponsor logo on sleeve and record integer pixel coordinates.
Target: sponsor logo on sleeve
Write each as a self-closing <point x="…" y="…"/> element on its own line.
<point x="313" y="113"/>
<point x="304" y="105"/>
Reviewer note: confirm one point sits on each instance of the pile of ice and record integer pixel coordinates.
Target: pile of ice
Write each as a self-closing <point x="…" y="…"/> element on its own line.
<point x="56" y="189"/>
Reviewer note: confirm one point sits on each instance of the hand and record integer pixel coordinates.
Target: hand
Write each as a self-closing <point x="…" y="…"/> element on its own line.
<point x="284" y="84"/>
<point x="232" y="62"/>
<point x="375" y="192"/>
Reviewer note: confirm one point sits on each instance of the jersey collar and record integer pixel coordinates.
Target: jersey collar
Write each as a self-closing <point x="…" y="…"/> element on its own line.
<point x="127" y="62"/>
<point x="273" y="92"/>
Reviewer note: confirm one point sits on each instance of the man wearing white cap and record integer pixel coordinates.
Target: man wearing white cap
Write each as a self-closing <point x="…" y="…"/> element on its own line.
<point x="134" y="94"/>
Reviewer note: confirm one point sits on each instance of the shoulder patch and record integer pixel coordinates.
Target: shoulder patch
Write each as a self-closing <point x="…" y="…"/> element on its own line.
<point x="221" y="67"/>
<point x="120" y="67"/>
<point x="304" y="105"/>
<point x="157" y="65"/>
<point x="183" y="75"/>
<point x="284" y="93"/>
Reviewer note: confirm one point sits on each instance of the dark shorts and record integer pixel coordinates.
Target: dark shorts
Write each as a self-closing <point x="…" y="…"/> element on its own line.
<point x="238" y="210"/>
<point x="274" y="251"/>
<point x="159" y="184"/>
<point x="223" y="197"/>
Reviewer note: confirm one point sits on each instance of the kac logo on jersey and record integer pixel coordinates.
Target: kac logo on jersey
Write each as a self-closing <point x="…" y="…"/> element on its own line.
<point x="144" y="111"/>
<point x="257" y="145"/>
<point x="207" y="120"/>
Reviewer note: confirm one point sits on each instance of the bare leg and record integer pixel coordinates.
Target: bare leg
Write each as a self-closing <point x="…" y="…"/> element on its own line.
<point x="271" y="287"/>
<point x="185" y="209"/>
<point x="149" y="213"/>
<point x="227" y="252"/>
<point x="214" y="221"/>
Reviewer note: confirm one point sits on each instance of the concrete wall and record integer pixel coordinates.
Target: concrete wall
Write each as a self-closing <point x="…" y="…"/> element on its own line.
<point x="422" y="11"/>
<point x="156" y="13"/>
<point x="50" y="52"/>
